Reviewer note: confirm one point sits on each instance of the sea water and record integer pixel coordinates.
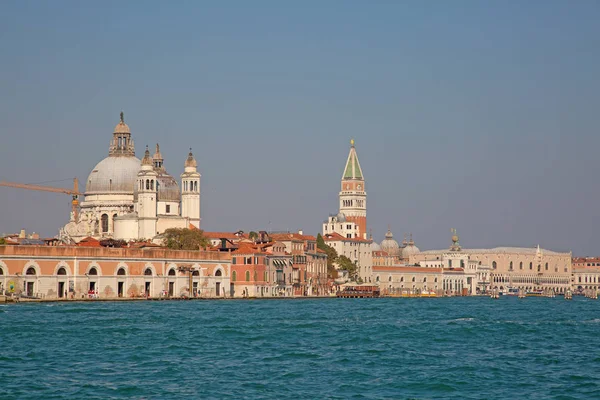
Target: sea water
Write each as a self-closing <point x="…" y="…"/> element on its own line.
<point x="442" y="348"/>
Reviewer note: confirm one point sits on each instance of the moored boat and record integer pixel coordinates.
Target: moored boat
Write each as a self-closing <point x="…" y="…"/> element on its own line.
<point x="357" y="292"/>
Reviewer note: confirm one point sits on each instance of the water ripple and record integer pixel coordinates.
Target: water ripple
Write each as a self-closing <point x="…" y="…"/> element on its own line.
<point x="457" y="348"/>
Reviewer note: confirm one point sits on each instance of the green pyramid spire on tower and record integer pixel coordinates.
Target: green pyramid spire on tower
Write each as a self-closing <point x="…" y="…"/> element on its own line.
<point x="353" y="170"/>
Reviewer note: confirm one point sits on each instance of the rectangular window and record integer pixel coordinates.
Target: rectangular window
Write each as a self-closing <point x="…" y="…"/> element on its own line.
<point x="233" y="260"/>
<point x="168" y="208"/>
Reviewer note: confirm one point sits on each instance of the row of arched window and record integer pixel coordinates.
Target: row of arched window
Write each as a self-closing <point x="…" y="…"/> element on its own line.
<point x="592" y="279"/>
<point x="122" y="272"/>
<point x="190" y="186"/>
<point x="247" y="276"/>
<point x="539" y="267"/>
<point x="531" y="279"/>
<point x="149" y="184"/>
<point x="414" y="279"/>
<point x="104" y="222"/>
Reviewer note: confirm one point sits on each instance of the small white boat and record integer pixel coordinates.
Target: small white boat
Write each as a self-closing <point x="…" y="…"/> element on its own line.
<point x="568" y="295"/>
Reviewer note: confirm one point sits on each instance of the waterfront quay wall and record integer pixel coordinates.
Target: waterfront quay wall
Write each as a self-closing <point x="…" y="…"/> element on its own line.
<point x="73" y="272"/>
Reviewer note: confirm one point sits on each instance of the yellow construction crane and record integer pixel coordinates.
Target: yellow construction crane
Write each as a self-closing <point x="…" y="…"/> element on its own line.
<point x="75" y="192"/>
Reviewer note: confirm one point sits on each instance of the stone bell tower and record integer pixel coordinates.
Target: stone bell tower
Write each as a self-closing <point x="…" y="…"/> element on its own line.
<point x="190" y="191"/>
<point x="353" y="197"/>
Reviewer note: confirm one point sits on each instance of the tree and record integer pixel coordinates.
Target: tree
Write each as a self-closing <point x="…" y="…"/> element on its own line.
<point x="331" y="256"/>
<point x="2" y="241"/>
<point x="185" y="239"/>
<point x="253" y="236"/>
<point x="345" y="264"/>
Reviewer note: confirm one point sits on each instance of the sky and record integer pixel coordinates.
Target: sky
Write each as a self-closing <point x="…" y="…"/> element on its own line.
<point x="475" y="115"/>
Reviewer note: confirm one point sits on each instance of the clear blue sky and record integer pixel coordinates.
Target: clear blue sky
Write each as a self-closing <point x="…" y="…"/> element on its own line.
<point x="475" y="115"/>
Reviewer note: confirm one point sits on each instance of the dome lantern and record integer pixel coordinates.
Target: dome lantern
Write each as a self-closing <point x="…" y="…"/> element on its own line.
<point x="121" y="144"/>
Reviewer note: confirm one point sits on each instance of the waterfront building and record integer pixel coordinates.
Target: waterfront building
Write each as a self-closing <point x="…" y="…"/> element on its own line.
<point x="522" y="268"/>
<point x="415" y="280"/>
<point x="127" y="198"/>
<point x="586" y="273"/>
<point x="452" y="273"/>
<point x="586" y="278"/>
<point x="278" y="265"/>
<point x="77" y="272"/>
<point x="309" y="263"/>
<point x="346" y="231"/>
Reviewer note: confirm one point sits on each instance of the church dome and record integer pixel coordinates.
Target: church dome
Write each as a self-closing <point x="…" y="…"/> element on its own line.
<point x="390" y="245"/>
<point x="375" y="247"/>
<point x="410" y="249"/>
<point x="113" y="175"/>
<point x="168" y="190"/>
<point x="341" y="217"/>
<point x="190" y="162"/>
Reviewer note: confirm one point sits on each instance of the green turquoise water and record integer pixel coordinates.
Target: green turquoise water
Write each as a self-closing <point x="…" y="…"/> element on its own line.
<point x="447" y="348"/>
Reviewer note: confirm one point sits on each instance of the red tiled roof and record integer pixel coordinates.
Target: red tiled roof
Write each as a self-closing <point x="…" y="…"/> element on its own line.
<point x="247" y="248"/>
<point x="585" y="260"/>
<point x="89" y="242"/>
<point x="291" y="236"/>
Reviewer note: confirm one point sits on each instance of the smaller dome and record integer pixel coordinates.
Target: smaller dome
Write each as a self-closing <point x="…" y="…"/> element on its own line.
<point x="168" y="190"/>
<point x="410" y="249"/>
<point x="122" y="127"/>
<point x="147" y="160"/>
<point x="190" y="162"/>
<point x="341" y="217"/>
<point x="375" y="246"/>
<point x="389" y="245"/>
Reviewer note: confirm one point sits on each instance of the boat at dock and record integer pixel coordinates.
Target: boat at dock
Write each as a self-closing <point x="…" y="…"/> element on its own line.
<point x="510" y="291"/>
<point x="358" y="292"/>
<point x="568" y="295"/>
<point x="535" y="293"/>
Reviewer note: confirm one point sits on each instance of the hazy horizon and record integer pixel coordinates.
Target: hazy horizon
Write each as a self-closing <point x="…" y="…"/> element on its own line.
<point x="479" y="116"/>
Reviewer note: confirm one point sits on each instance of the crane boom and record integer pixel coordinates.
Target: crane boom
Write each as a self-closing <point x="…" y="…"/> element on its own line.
<point x="75" y="192"/>
<point x="41" y="188"/>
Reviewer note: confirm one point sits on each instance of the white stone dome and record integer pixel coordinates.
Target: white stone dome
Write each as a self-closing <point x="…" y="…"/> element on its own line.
<point x="390" y="245"/>
<point x="375" y="247"/>
<point x="113" y="175"/>
<point x="410" y="249"/>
